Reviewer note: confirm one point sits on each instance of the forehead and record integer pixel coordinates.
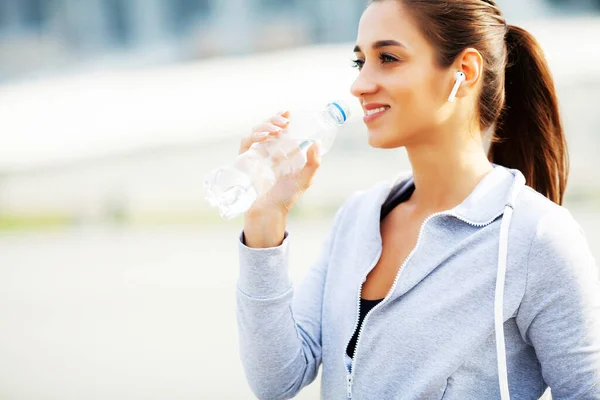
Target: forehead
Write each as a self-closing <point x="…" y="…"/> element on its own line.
<point x="384" y="20"/>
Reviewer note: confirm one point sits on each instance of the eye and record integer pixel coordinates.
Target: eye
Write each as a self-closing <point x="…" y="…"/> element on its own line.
<point x="358" y="64"/>
<point x="386" y="58"/>
<point x="383" y="57"/>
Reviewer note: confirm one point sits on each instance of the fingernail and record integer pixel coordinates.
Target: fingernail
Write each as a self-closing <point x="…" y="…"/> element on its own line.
<point x="318" y="147"/>
<point x="262" y="134"/>
<point x="282" y="120"/>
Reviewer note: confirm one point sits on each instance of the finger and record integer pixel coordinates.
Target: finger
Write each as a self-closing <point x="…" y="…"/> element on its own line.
<point x="259" y="134"/>
<point x="248" y="141"/>
<point x="267" y="127"/>
<point x="279" y="120"/>
<point x="313" y="155"/>
<point x="313" y="163"/>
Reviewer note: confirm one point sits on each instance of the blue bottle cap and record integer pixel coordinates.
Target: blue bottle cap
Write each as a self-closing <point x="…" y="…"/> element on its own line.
<point x="342" y="106"/>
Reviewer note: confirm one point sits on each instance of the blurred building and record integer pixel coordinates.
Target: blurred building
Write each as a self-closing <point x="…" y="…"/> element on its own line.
<point x="58" y="35"/>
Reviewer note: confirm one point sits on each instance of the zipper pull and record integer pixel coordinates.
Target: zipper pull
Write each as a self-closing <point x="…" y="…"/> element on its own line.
<point x="349" y="386"/>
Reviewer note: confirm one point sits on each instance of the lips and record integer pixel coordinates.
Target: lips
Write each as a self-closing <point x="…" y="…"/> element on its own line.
<point x="374" y="111"/>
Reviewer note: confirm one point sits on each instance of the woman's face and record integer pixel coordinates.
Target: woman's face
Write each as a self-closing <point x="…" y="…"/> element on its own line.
<point x="398" y="73"/>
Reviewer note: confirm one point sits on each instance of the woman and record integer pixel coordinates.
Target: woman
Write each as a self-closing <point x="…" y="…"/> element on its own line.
<point x="460" y="282"/>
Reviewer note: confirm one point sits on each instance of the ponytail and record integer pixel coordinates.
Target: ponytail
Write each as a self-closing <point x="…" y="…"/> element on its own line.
<point x="529" y="134"/>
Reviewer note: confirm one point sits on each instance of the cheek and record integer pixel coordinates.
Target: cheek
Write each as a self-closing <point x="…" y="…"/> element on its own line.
<point x="400" y="87"/>
<point x="412" y="101"/>
<point x="425" y="96"/>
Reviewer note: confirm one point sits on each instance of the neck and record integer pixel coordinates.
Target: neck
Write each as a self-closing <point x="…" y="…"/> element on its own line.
<point x="445" y="172"/>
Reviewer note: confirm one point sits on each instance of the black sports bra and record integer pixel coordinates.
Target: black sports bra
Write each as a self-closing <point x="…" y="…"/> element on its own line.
<point x="398" y="194"/>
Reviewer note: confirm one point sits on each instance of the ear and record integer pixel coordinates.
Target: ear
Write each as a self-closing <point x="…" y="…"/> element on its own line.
<point x="470" y="62"/>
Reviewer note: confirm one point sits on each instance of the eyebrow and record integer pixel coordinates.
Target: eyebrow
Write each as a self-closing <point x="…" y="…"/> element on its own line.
<point x="381" y="43"/>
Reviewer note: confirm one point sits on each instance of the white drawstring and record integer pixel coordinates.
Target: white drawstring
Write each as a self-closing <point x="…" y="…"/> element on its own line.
<point x="499" y="297"/>
<point x="498" y="305"/>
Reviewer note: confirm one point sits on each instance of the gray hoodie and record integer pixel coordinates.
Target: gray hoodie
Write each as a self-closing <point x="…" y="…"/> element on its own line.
<point x="472" y="312"/>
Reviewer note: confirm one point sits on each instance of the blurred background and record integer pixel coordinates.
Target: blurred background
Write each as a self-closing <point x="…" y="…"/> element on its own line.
<point x="116" y="278"/>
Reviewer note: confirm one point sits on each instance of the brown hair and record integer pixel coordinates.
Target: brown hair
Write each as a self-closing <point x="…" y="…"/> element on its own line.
<point x="517" y="95"/>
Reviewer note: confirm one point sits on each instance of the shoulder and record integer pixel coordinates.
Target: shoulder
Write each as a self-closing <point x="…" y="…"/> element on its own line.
<point x="543" y="216"/>
<point x="360" y="211"/>
<point x="368" y="198"/>
<point x="377" y="192"/>
<point x="558" y="246"/>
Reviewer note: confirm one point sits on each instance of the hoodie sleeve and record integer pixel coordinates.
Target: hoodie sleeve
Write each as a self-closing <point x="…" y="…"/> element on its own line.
<point x="279" y="328"/>
<point x="560" y="311"/>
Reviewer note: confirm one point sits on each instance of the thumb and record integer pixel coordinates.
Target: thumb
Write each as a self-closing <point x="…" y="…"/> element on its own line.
<point x="313" y="162"/>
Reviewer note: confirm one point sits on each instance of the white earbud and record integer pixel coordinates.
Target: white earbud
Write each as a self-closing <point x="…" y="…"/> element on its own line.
<point x="460" y="78"/>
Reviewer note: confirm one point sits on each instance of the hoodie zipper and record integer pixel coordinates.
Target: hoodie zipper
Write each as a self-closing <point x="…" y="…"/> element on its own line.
<point x="350" y="372"/>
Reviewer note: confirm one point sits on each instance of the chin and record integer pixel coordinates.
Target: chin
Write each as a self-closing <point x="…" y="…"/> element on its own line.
<point x="380" y="140"/>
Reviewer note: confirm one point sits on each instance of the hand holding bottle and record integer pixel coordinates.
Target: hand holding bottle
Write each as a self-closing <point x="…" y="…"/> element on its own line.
<point x="294" y="169"/>
<point x="276" y="162"/>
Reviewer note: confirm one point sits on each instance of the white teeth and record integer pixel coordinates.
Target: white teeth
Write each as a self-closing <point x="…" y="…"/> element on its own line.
<point x="376" y="110"/>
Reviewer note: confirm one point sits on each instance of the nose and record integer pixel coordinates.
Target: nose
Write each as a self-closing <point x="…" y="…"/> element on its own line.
<point x="363" y="85"/>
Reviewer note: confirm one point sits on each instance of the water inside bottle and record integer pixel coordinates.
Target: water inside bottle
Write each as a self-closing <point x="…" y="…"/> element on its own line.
<point x="312" y="127"/>
<point x="230" y="190"/>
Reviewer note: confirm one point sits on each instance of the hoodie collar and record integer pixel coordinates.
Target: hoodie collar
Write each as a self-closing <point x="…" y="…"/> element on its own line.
<point x="489" y="198"/>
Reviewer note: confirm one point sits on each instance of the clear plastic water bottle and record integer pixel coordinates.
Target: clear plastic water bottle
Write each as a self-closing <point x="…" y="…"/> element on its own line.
<point x="234" y="188"/>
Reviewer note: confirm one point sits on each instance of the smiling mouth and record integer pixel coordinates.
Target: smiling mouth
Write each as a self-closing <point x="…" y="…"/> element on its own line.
<point x="376" y="110"/>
